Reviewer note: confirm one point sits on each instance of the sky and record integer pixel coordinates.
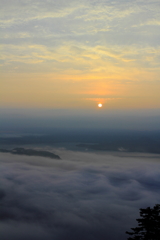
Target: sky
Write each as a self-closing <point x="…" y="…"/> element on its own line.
<point x="48" y="121"/>
<point x="75" y="54"/>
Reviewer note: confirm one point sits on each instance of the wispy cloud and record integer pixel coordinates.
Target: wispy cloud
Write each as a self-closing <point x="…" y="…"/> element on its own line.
<point x="81" y="40"/>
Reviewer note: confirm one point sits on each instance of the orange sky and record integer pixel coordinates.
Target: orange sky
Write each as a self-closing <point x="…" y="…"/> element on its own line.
<point x="77" y="55"/>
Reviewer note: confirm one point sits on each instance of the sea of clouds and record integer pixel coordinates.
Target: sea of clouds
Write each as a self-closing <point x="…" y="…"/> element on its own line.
<point x="85" y="195"/>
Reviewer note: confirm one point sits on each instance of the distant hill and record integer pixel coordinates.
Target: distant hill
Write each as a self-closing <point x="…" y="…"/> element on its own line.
<point x="31" y="152"/>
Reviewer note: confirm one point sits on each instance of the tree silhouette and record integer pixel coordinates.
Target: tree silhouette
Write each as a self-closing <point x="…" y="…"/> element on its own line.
<point x="149" y="225"/>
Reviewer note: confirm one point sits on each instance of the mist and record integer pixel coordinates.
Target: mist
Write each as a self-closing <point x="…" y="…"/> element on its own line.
<point x="85" y="195"/>
<point x="43" y="120"/>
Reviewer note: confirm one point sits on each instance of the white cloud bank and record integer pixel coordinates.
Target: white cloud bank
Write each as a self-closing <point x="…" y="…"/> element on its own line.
<point x="83" y="196"/>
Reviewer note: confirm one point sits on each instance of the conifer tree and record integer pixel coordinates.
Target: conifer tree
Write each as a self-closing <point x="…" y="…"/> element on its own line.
<point x="148" y="225"/>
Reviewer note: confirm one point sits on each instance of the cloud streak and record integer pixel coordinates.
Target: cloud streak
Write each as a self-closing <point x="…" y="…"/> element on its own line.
<point x="79" y="40"/>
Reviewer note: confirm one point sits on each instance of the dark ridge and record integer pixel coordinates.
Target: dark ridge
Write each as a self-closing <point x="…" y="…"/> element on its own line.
<point x="31" y="152"/>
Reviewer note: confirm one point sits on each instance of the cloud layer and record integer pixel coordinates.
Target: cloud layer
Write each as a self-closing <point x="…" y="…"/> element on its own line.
<point x="84" y="196"/>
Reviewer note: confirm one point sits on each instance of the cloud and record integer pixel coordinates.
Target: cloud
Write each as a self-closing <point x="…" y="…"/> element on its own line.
<point x="73" y="35"/>
<point x="81" y="58"/>
<point x="78" y="40"/>
<point x="85" y="195"/>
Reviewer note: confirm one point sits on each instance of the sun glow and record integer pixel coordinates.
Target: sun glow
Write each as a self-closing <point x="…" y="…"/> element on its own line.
<point x="99" y="105"/>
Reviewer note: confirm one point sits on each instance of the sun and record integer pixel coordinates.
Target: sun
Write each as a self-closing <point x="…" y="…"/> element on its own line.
<point x="100" y="105"/>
